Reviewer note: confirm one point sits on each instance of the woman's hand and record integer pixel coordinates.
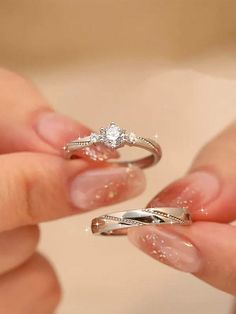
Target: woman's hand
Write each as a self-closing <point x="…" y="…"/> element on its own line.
<point x="36" y="184"/>
<point x="207" y="248"/>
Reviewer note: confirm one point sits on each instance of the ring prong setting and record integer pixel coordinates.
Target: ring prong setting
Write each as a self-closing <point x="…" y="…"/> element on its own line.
<point x="113" y="136"/>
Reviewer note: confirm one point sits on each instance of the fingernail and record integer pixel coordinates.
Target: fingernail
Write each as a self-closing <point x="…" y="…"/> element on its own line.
<point x="56" y="129"/>
<point x="193" y="192"/>
<point x="167" y="247"/>
<point x="105" y="186"/>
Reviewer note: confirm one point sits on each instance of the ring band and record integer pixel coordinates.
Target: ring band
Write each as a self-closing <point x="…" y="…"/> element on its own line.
<point x="115" y="137"/>
<point x="118" y="223"/>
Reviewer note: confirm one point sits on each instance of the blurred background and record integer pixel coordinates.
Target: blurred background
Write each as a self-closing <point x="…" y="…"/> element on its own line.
<point x="158" y="67"/>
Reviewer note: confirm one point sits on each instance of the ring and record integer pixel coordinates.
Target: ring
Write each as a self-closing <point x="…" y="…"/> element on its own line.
<point x="118" y="223"/>
<point x="114" y="137"/>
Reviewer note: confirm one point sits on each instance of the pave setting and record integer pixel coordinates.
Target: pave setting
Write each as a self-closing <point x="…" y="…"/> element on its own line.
<point x="113" y="136"/>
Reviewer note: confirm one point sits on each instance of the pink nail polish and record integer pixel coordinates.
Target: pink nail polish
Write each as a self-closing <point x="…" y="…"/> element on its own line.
<point x="105" y="186"/>
<point x="164" y="245"/>
<point x="194" y="192"/>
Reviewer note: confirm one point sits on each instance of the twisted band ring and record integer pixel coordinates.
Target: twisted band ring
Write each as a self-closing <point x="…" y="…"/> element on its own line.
<point x="118" y="223"/>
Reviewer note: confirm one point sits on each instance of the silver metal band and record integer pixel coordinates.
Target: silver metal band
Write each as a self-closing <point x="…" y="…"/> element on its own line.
<point x="118" y="223"/>
<point x="114" y="137"/>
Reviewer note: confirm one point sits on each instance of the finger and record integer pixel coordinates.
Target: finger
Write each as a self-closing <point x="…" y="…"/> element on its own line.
<point x="16" y="246"/>
<point x="205" y="249"/>
<point x="27" y="123"/>
<point x="38" y="187"/>
<point x="26" y="120"/>
<point x="31" y="288"/>
<point x="208" y="190"/>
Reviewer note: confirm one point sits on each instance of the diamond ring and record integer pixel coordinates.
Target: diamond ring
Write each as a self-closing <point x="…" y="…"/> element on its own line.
<point x="112" y="138"/>
<point x="118" y="223"/>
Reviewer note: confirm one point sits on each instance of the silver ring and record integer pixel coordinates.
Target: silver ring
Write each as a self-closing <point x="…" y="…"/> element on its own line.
<point x="118" y="223"/>
<point x="114" y="137"/>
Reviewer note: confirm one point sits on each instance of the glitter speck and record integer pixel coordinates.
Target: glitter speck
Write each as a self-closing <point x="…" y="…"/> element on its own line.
<point x="97" y="196"/>
<point x="111" y="194"/>
<point x="87" y="229"/>
<point x="156" y="136"/>
<point x="203" y="211"/>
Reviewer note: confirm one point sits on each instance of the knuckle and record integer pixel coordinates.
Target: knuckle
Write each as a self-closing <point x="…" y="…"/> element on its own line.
<point x="33" y="193"/>
<point x="18" y="194"/>
<point x="16" y="198"/>
<point x="25" y="209"/>
<point x="31" y="188"/>
<point x="28" y="200"/>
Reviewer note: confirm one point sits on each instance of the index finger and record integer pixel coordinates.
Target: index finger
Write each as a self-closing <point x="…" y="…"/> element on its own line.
<point x="28" y="123"/>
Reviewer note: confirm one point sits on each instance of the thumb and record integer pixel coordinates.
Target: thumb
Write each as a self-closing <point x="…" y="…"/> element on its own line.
<point x="206" y="249"/>
<point x="208" y="189"/>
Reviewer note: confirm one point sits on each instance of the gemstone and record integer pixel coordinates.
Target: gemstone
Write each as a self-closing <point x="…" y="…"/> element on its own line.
<point x="94" y="138"/>
<point x="113" y="132"/>
<point x="132" y="137"/>
<point x="113" y="136"/>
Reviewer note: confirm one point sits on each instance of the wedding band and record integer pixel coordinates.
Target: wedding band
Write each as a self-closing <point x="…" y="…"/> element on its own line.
<point x="114" y="137"/>
<point x="118" y="223"/>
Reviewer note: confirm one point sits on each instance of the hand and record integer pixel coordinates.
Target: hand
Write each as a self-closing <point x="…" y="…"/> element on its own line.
<point x="36" y="184"/>
<point x="207" y="248"/>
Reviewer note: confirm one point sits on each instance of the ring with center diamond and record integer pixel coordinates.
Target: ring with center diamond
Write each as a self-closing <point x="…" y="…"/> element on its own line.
<point x="114" y="137"/>
<point x="118" y="223"/>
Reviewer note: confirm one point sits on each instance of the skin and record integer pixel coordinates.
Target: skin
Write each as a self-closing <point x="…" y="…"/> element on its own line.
<point x="35" y="187"/>
<point x="206" y="248"/>
<point x="37" y="184"/>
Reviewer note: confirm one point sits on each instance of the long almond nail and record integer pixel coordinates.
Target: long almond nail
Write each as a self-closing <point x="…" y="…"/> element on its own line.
<point x="167" y="247"/>
<point x="194" y="192"/>
<point x="56" y="129"/>
<point x="105" y="186"/>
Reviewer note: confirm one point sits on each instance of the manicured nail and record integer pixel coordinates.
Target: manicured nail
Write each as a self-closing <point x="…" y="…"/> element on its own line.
<point x="105" y="186"/>
<point x="194" y="192"/>
<point x="168" y="247"/>
<point x="57" y="129"/>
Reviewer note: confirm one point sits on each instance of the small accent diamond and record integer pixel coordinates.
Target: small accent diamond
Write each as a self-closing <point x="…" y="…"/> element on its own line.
<point x="94" y="138"/>
<point x="132" y="138"/>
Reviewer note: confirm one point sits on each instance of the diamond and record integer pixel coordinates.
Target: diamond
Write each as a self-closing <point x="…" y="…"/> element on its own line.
<point x="113" y="135"/>
<point x="113" y="132"/>
<point x="94" y="138"/>
<point x="132" y="138"/>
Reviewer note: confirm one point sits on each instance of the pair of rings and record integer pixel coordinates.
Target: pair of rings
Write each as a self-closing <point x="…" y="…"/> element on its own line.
<point x="112" y="138"/>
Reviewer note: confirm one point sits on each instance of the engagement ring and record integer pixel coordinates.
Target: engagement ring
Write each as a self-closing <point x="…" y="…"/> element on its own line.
<point x="114" y="137"/>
